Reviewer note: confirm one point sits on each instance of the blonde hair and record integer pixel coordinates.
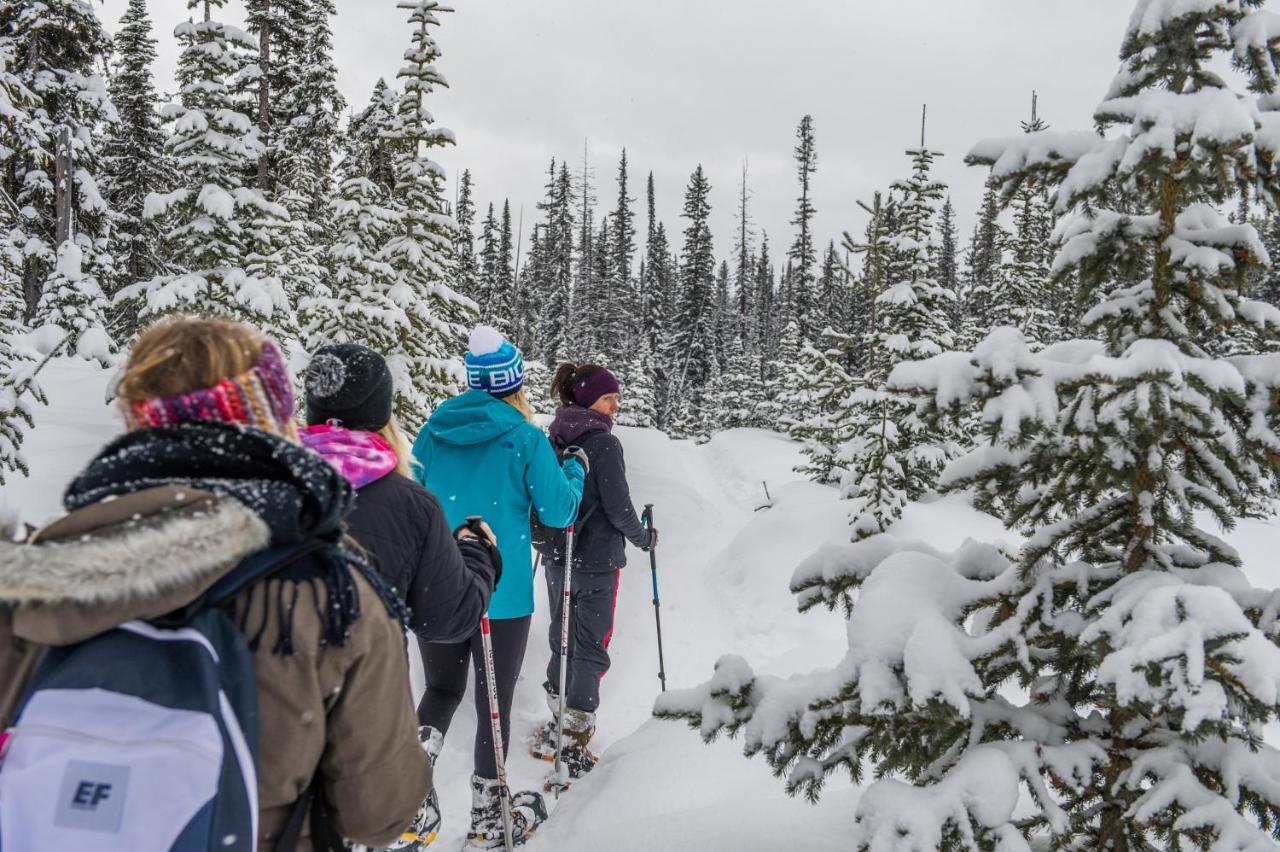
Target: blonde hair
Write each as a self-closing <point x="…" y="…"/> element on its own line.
<point x="520" y="402"/>
<point x="392" y="435"/>
<point x="188" y="353"/>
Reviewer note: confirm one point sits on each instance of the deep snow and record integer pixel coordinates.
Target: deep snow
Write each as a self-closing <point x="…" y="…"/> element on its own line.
<point x="724" y="563"/>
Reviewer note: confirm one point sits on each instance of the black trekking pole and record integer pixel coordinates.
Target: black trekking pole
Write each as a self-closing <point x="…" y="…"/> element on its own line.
<point x="657" y="613"/>
<point x="561" y="775"/>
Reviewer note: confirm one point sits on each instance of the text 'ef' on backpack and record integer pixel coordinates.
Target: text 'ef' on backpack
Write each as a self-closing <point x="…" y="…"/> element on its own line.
<point x="143" y="737"/>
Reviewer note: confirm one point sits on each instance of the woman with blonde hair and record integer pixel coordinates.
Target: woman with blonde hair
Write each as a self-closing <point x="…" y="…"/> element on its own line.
<point x="208" y="474"/>
<point x="481" y="454"/>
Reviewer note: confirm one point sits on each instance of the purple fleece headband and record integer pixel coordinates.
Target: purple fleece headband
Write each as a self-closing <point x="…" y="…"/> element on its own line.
<point x="587" y="391"/>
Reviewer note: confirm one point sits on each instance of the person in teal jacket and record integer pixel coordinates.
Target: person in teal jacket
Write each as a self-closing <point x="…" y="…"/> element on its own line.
<point x="481" y="454"/>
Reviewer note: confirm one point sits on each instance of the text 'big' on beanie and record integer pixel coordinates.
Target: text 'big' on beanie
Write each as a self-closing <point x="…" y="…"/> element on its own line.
<point x="493" y="364"/>
<point x="349" y="383"/>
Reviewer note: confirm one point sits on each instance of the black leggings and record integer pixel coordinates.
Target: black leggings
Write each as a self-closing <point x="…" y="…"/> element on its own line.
<point x="446" y="666"/>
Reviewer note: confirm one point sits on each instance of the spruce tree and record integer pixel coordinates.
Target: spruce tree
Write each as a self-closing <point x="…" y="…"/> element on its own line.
<point x="1022" y="295"/>
<point x="466" y="270"/>
<point x="766" y="320"/>
<point x="654" y="296"/>
<point x="831" y="301"/>
<point x="556" y="267"/>
<point x="354" y="304"/>
<point x="892" y="456"/>
<point x="744" y="268"/>
<point x="19" y="390"/>
<point x="134" y="161"/>
<point x="985" y="258"/>
<point x="619" y="311"/>
<point x="875" y="250"/>
<point x="640" y="403"/>
<point x="1121" y="668"/>
<point x="490" y="271"/>
<point x="505" y="297"/>
<point x="214" y="225"/>
<point x="818" y="413"/>
<point x="425" y="361"/>
<point x="803" y="255"/>
<point x="692" y="354"/>
<point x="370" y="136"/>
<point x="57" y="47"/>
<point x="946" y="268"/>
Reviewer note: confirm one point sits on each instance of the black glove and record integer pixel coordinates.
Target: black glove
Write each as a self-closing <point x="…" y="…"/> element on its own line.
<point x="480" y="540"/>
<point x="652" y="542"/>
<point x="579" y="454"/>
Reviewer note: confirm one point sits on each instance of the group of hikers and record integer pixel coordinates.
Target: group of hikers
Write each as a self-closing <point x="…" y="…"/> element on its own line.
<point x="223" y="522"/>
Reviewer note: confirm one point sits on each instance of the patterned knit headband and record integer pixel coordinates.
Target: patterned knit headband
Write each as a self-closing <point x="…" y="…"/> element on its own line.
<point x="261" y="397"/>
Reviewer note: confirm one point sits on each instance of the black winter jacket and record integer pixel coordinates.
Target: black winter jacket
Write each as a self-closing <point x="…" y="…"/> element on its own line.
<point x="446" y="583"/>
<point x="599" y="542"/>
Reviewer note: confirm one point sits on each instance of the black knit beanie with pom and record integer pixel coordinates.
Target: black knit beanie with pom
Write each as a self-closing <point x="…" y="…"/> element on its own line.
<point x="349" y="383"/>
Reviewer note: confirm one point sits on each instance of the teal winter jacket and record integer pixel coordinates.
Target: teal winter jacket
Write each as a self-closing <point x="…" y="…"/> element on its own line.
<point x="479" y="456"/>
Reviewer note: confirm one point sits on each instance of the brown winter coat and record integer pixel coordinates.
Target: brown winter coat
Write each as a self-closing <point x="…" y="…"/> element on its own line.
<point x="344" y="712"/>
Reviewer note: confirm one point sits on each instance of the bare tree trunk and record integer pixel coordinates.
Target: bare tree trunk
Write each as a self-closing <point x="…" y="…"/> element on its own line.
<point x="62" y="186"/>
<point x="264" y="98"/>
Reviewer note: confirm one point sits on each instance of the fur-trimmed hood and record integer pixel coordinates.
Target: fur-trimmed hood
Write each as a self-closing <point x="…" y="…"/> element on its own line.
<point x="140" y="555"/>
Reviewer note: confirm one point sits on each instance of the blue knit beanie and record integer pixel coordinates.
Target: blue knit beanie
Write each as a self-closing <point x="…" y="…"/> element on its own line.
<point x="493" y="364"/>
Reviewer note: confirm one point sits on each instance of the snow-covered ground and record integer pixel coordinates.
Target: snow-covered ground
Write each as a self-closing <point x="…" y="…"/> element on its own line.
<point x="724" y="565"/>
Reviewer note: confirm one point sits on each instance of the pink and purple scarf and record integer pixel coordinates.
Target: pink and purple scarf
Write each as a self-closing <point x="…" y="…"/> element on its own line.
<point x="362" y="457"/>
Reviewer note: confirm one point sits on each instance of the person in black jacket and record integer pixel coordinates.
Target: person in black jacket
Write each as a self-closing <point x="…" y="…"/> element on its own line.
<point x="590" y="396"/>
<point x="445" y="580"/>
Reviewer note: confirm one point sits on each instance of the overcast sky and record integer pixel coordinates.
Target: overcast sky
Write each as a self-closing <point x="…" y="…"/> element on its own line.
<point x="717" y="82"/>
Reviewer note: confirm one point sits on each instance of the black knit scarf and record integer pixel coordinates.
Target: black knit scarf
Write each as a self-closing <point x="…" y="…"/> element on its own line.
<point x="293" y="490"/>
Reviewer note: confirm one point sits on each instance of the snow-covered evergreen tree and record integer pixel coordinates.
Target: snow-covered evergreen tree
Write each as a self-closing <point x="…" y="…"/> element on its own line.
<point x="984" y="258"/>
<point x="19" y="392"/>
<point x="692" y="356"/>
<point x="215" y="226"/>
<point x="370" y="136"/>
<point x="744" y="268"/>
<point x="892" y="456"/>
<point x="875" y="250"/>
<point x="1022" y="294"/>
<point x="1145" y="663"/>
<point x="617" y="318"/>
<point x="554" y="267"/>
<point x="639" y="400"/>
<point x="57" y="48"/>
<point x="134" y="161"/>
<point x="426" y="360"/>
<point x="818" y="410"/>
<point x="466" y="268"/>
<point x="505" y="298"/>
<point x="799" y="290"/>
<point x="355" y="304"/>
<point x="946" y="265"/>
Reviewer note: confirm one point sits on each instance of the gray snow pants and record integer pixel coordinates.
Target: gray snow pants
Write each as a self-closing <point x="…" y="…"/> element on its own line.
<point x="593" y="600"/>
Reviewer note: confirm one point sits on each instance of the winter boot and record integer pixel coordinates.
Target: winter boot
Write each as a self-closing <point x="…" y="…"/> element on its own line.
<point x="579" y="727"/>
<point x="528" y="811"/>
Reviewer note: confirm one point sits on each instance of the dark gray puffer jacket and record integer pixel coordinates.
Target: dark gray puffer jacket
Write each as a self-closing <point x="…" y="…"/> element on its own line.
<point x="600" y="541"/>
<point x="446" y="583"/>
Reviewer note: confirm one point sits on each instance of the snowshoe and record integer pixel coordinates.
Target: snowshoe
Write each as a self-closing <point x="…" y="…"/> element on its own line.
<point x="528" y="811"/>
<point x="576" y="759"/>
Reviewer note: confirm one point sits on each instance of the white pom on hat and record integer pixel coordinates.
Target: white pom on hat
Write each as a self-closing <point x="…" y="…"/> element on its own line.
<point x="485" y="340"/>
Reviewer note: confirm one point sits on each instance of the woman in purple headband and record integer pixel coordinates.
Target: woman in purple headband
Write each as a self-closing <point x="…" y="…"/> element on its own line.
<point x="590" y="396"/>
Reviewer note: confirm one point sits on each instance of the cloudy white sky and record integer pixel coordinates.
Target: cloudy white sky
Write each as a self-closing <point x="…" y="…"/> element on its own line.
<point x="717" y="82"/>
